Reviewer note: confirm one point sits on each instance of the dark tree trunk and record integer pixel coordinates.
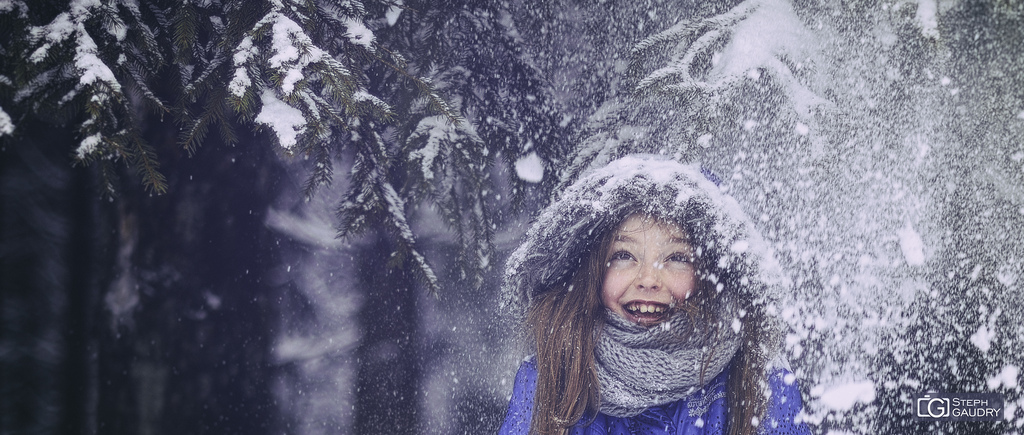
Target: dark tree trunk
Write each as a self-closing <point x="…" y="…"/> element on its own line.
<point x="200" y="340"/>
<point x="49" y="256"/>
<point x="142" y="315"/>
<point x="387" y="389"/>
<point x="83" y="261"/>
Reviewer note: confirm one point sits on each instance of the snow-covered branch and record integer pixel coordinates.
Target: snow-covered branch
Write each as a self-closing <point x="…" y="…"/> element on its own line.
<point x="756" y="37"/>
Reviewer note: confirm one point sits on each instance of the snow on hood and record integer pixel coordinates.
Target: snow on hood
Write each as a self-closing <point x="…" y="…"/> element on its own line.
<point x="570" y="227"/>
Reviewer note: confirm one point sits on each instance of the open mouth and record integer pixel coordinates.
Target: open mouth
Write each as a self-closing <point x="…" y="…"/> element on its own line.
<point x="647" y="313"/>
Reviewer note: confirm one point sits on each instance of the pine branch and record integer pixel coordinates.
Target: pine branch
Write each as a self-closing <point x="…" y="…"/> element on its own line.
<point x="144" y="159"/>
<point x="226" y="128"/>
<point x="195" y="131"/>
<point x="435" y="102"/>
<point x="141" y="84"/>
<point x="208" y="78"/>
<point x="323" y="171"/>
<point x="185" y="28"/>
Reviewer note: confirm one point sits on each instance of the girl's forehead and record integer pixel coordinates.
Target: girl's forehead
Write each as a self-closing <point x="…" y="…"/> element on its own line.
<point x="636" y="226"/>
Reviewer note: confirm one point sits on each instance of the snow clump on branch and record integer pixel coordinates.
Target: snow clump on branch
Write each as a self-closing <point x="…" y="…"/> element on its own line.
<point x="285" y="120"/>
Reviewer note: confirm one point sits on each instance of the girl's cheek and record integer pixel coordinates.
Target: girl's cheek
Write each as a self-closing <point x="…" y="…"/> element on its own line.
<point x="684" y="282"/>
<point x="610" y="300"/>
<point x="616" y="283"/>
<point x="681" y="277"/>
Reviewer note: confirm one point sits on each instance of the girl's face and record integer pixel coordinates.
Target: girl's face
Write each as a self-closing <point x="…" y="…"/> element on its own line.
<point x="649" y="270"/>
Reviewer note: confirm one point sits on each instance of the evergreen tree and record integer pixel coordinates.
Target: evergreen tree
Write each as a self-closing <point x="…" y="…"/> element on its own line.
<point x="461" y="174"/>
<point x="298" y="69"/>
<point x="146" y="84"/>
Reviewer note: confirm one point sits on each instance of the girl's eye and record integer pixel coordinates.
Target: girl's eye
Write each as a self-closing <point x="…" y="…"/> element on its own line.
<point x="679" y="257"/>
<point x="621" y="255"/>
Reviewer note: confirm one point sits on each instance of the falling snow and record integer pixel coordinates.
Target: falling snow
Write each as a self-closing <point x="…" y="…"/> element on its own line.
<point x="530" y="168"/>
<point x="878" y="151"/>
<point x="1006" y="378"/>
<point x="844" y="396"/>
<point x="911" y="246"/>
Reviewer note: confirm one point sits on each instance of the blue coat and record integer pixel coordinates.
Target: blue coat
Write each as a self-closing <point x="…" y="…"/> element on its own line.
<point x="701" y="413"/>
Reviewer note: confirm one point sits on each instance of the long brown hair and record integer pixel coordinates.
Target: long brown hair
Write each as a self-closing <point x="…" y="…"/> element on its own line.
<point x="565" y="322"/>
<point x="748" y="380"/>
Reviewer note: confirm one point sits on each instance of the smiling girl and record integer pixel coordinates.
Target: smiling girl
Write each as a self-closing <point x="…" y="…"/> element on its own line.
<point x="651" y="301"/>
<point x="649" y="270"/>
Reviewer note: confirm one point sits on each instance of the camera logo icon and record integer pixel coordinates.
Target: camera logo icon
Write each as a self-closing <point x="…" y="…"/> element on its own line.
<point x="933" y="407"/>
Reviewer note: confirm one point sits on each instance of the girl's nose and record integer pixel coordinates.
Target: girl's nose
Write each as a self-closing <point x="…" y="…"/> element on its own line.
<point x="650" y="276"/>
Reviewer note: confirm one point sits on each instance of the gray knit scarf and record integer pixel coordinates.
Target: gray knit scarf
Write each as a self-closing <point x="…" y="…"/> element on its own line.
<point x="640" y="367"/>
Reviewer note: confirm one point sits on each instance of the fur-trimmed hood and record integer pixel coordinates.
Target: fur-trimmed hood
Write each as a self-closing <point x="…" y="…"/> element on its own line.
<point x="558" y="242"/>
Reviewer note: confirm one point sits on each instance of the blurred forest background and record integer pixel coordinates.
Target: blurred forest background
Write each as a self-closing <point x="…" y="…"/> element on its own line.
<point x="291" y="216"/>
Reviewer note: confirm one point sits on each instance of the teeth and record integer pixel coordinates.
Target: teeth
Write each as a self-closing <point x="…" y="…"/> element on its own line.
<point x="646" y="308"/>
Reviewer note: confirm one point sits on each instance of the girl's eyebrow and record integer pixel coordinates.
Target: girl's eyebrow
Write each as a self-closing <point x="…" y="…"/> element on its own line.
<point x="675" y="240"/>
<point x="624" y="238"/>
